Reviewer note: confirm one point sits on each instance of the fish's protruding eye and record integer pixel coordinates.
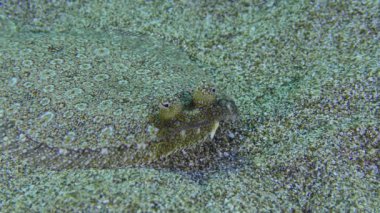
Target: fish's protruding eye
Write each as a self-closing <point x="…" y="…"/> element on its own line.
<point x="204" y="96"/>
<point x="165" y="104"/>
<point x="169" y="111"/>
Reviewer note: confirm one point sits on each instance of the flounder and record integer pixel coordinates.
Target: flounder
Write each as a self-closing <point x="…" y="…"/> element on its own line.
<point x="102" y="100"/>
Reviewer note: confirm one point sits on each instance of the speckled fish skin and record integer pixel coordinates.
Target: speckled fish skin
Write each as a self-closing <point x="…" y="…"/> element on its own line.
<point x="194" y="126"/>
<point x="192" y="132"/>
<point x="84" y="99"/>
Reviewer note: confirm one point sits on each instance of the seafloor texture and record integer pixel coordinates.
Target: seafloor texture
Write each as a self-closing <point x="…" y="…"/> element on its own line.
<point x="305" y="77"/>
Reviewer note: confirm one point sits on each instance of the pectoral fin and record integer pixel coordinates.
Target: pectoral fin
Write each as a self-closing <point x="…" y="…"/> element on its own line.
<point x="213" y="130"/>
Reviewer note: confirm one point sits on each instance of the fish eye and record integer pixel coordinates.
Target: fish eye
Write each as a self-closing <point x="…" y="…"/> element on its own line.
<point x="165" y="104"/>
<point x="168" y="110"/>
<point x="204" y="96"/>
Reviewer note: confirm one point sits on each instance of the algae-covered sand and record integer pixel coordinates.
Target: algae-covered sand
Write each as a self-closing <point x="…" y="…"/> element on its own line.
<point x="304" y="76"/>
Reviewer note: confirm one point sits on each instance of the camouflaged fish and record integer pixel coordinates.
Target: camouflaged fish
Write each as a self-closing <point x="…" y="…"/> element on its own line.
<point x="175" y="126"/>
<point x="102" y="100"/>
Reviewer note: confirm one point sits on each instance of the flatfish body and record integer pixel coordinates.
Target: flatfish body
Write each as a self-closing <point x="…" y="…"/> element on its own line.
<point x="95" y="100"/>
